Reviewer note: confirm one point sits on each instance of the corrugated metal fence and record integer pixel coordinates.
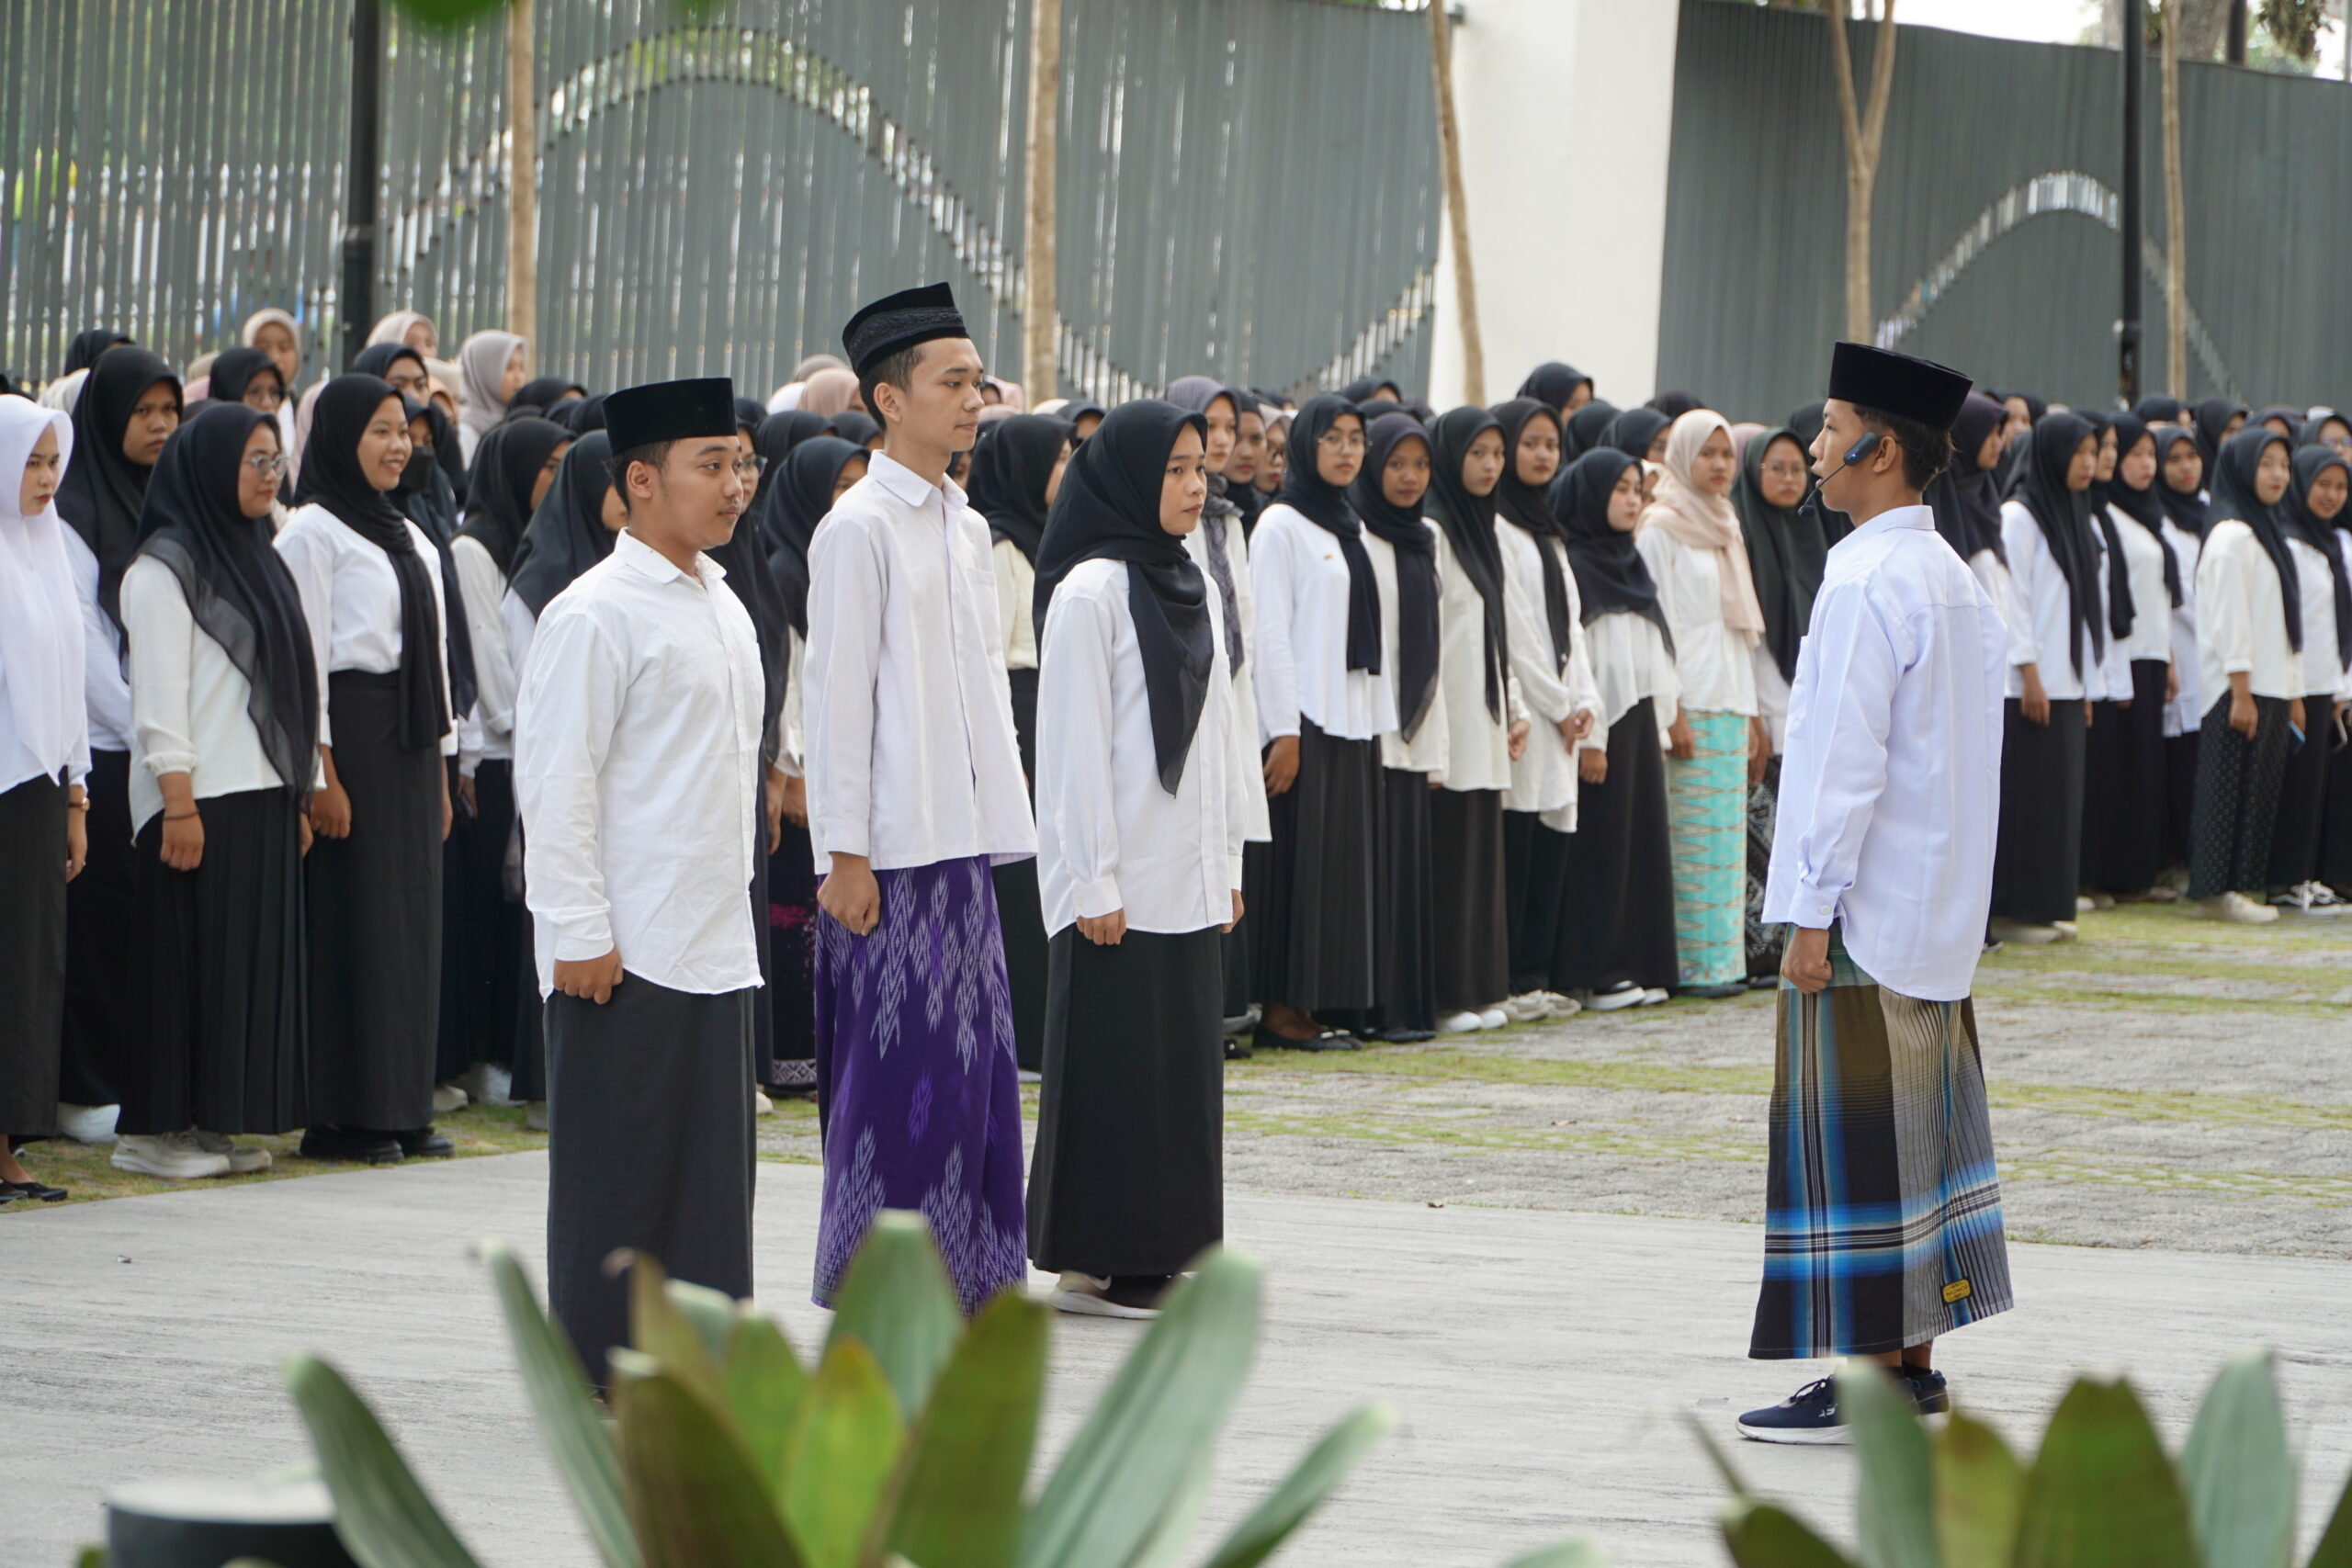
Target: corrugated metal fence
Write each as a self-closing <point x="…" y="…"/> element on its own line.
<point x="1996" y="228"/>
<point x="1245" y="187"/>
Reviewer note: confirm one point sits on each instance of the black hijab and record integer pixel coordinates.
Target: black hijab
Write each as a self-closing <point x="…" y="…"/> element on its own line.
<point x="1193" y="394"/>
<point x="2141" y="505"/>
<point x="507" y="465"/>
<point x="544" y="393"/>
<point x="1555" y="383"/>
<point x="1674" y="405"/>
<point x="582" y="414"/>
<point x="1527" y="505"/>
<point x="854" y="427"/>
<point x="376" y="359"/>
<point x="2157" y="409"/>
<point x="1787" y="552"/>
<point x="234" y="368"/>
<point x="1964" y="498"/>
<point x="1611" y="577"/>
<point x="2234" y="497"/>
<point x="102" y="491"/>
<point x="744" y="559"/>
<point x="566" y="535"/>
<point x="87" y="345"/>
<point x="1326" y="505"/>
<point x="2287" y="414"/>
<point x="1108" y="508"/>
<point x="2122" y="613"/>
<point x="331" y="477"/>
<point x="1806" y="421"/>
<point x="2316" y="426"/>
<point x="427" y="499"/>
<point x="1633" y="430"/>
<point x="779" y="433"/>
<point x="1009" y="473"/>
<point x="2319" y="532"/>
<point x="2208" y="416"/>
<point x="2184" y="508"/>
<point x="796" y="501"/>
<point x="1415" y="547"/>
<point x="1581" y="434"/>
<point x="1469" y="524"/>
<point x="1365" y="387"/>
<point x="2066" y="519"/>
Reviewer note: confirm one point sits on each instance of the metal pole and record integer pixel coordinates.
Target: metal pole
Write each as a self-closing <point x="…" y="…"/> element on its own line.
<point x="2234" y="46"/>
<point x="1457" y="205"/>
<point x="522" y="179"/>
<point x="356" y="302"/>
<point x="1039" y="378"/>
<point x="2135" y="33"/>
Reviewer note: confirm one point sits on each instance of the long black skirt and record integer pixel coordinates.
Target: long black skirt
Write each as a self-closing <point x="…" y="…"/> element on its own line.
<point x="477" y="927"/>
<point x="375" y="920"/>
<point x="1241" y="984"/>
<point x="527" y="1059"/>
<point x="32" y="953"/>
<point x="1467" y="876"/>
<point x="1535" y="869"/>
<point x="2335" y="817"/>
<point x="2180" y="797"/>
<point x="2237" y="799"/>
<point x="649" y="1147"/>
<point x="2037" y="859"/>
<point x="224" y="992"/>
<point x="1406" y="958"/>
<point x="2303" y="798"/>
<point x="1128" y="1176"/>
<point x="1317" y="926"/>
<point x="100" y="1039"/>
<point x="1020" y="908"/>
<point x="2124" y="789"/>
<point x="792" y="923"/>
<point x="1616" y="917"/>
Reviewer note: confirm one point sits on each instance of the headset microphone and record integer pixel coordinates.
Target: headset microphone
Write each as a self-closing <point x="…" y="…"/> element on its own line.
<point x="1811" y="510"/>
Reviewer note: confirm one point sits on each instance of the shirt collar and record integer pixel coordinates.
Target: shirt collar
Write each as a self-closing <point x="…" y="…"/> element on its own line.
<point x="911" y="486"/>
<point x="1921" y="516"/>
<point x="655" y="566"/>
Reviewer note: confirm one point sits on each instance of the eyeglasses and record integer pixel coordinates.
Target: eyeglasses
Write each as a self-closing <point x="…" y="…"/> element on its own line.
<point x="1341" y="440"/>
<point x="749" y="468"/>
<point x="1784" y="470"/>
<point x="267" y="465"/>
<point x="268" y="399"/>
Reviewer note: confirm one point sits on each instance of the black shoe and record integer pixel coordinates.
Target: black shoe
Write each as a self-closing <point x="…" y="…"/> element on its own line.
<point x="423" y="1143"/>
<point x="1809" y="1416"/>
<point x="1722" y="993"/>
<point x="1235" y="1051"/>
<point x="34" y="1191"/>
<point x="1402" y="1036"/>
<point x="1926" y="1388"/>
<point x="1763" y="982"/>
<point x="1266" y="1039"/>
<point x="349" y="1146"/>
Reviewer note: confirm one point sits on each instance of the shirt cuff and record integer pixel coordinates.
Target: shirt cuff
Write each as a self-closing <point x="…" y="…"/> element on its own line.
<point x="1814" y="907"/>
<point x="582" y="934"/>
<point x="1097" y="897"/>
<point x="835" y="837"/>
<point x="1233" y="871"/>
<point x="158" y="763"/>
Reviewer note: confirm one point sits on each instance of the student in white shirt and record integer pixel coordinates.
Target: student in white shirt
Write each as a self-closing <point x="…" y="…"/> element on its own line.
<point x="2180" y="471"/>
<point x="1717" y="746"/>
<point x="1882" y="862"/>
<point x="2315" y="496"/>
<point x="372" y="595"/>
<point x="44" y="758"/>
<point x="1141" y="811"/>
<point x="224" y="708"/>
<point x="2123" y="819"/>
<point x="644" y="689"/>
<point x="914" y="791"/>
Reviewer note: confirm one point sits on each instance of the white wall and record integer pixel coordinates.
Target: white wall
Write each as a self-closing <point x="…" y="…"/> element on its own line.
<point x="1566" y="108"/>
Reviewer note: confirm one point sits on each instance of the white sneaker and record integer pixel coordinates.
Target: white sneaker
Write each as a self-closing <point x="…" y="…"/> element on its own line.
<point x="2316" y="898"/>
<point x="1625" y="994"/>
<point x="1524" y="1008"/>
<point x="88" y="1123"/>
<point x="2086" y="902"/>
<point x="171" y="1156"/>
<point x="487" y="1083"/>
<point x="1088" y="1295"/>
<point x="1655" y="996"/>
<point x="760" y="1104"/>
<point x="447" y="1097"/>
<point x="243" y="1160"/>
<point x="2024" y="933"/>
<point x="535" y="1116"/>
<point x="1558" y="1006"/>
<point x="2238" y="910"/>
<point x="1460" y="1024"/>
<point x="1493" y="1017"/>
<point x="2067" y="931"/>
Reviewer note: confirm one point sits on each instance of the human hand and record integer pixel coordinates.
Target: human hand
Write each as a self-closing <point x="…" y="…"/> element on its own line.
<point x="77" y="840"/>
<point x="2172" y="682"/>
<point x="1805" y="961"/>
<point x="303" y="826"/>
<point x="1519" y="732"/>
<point x="2033" y="701"/>
<point x="1237" y="912"/>
<point x="1104" y="931"/>
<point x="795" y="800"/>
<point x="1281" y="764"/>
<point x="1592" y="765"/>
<point x="331" y="811"/>
<point x="1680" y="744"/>
<point x="2244" y="717"/>
<point x="1759" y="751"/>
<point x="591" y="979"/>
<point x="184" y="840"/>
<point x="851" y="895"/>
<point x="772" y="806"/>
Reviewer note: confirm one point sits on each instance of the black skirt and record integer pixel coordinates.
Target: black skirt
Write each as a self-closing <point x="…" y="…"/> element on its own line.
<point x="2237" y="799"/>
<point x="32" y="953"/>
<point x="1020" y="908"/>
<point x="1466" y="871"/>
<point x="1536" y="861"/>
<point x="1128" y="1176"/>
<point x="792" y="923"/>
<point x="2180" y="797"/>
<point x="225" y="1013"/>
<point x="2335" y="817"/>
<point x="474" y="909"/>
<point x="1406" y="959"/>
<point x="2124" y="777"/>
<point x="649" y="1147"/>
<point x="1241" y="984"/>
<point x="375" y="920"/>
<point x="498" y="972"/>
<point x="100" y="1040"/>
<point x="1317" y="925"/>
<point x="2037" y="859"/>
<point x="2303" y="798"/>
<point x="1616" y="919"/>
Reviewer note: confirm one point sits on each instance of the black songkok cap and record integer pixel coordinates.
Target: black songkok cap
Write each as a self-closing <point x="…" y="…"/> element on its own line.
<point x="902" y="320"/>
<point x="1897" y="384"/>
<point x="670" y="411"/>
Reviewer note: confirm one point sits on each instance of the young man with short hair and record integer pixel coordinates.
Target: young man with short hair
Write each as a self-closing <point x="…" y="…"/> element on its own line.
<point x="915" y="790"/>
<point x="1883" y="1223"/>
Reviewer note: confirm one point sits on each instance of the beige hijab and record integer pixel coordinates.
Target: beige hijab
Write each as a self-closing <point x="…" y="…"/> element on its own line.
<point x="394" y="328"/>
<point x="829" y="392"/>
<point x="1697" y="521"/>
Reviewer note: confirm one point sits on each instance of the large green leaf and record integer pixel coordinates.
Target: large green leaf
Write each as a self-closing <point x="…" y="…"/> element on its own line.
<point x="658" y="1328"/>
<point x="846" y="1442"/>
<point x="382" y="1513"/>
<point x="1310" y="1482"/>
<point x="1979" y="1487"/>
<point x="2101" y="1493"/>
<point x="2241" y="1478"/>
<point x="1894" y="1503"/>
<point x="956" y="1502"/>
<point x="569" y="1421"/>
<point x="696" y="1499"/>
<point x="896" y="1300"/>
<point x="1128" y="1465"/>
<point x="765" y="1384"/>
<point x="1763" y="1535"/>
<point x="2335" y="1548"/>
<point x="710" y="1313"/>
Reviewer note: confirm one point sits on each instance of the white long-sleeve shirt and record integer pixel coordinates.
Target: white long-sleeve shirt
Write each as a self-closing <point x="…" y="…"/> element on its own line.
<point x="2242" y="619"/>
<point x="2185" y="712"/>
<point x="106" y="690"/>
<point x="1890" y="788"/>
<point x="1249" y="739"/>
<point x="351" y="597"/>
<point x="484" y="588"/>
<point x="1109" y="836"/>
<point x="1477" y="740"/>
<point x="2322" y="658"/>
<point x="2151" y="638"/>
<point x="1630" y="663"/>
<point x="910" y="753"/>
<point x="1426" y="752"/>
<point x="1710" y="661"/>
<point x="1545" y="778"/>
<point x="2040" y="613"/>
<point x="636" y="745"/>
<point x="1016" y="592"/>
<point x="1301" y="655"/>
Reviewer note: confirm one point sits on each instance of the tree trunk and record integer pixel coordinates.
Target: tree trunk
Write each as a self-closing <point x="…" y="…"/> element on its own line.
<point x="1458" y="206"/>
<point x="522" y="176"/>
<point x="1040" y="378"/>
<point x="1865" y="134"/>
<point x="2176" y="226"/>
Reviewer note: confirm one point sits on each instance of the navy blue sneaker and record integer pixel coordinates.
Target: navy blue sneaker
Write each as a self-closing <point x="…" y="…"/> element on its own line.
<point x="1809" y="1416"/>
<point x="1926" y="1388"/>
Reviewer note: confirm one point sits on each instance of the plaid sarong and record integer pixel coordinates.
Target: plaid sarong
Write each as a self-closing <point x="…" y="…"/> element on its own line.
<point x="1883" y="1219"/>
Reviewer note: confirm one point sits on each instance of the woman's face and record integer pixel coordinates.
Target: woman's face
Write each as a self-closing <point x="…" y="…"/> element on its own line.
<point x="2337" y="437"/>
<point x="1988" y="451"/>
<point x="2138" y="467"/>
<point x="273" y="339"/>
<point x="384" y="445"/>
<point x="407" y="376"/>
<point x="1625" y="499"/>
<point x="2020" y="417"/>
<point x="2271" y="474"/>
<point x="1657" y="454"/>
<point x="420" y="435"/>
<point x="2327" y="492"/>
<point x="518" y="365"/>
<point x="2184" y="468"/>
<point x="1249" y="448"/>
<point x="2083" y="464"/>
<point x="1339" y="451"/>
<point x="1536" y="457"/>
<point x="1482" y="466"/>
<point x="258" y="468"/>
<point x="1578" y="396"/>
<point x="1054" y="478"/>
<point x="1405" y="477"/>
<point x="2107" y="454"/>
<point x="1223" y="431"/>
<point x="1783" y="473"/>
<point x="419" y="336"/>
<point x="2277" y="424"/>
<point x="1650" y="472"/>
<point x="1276" y="462"/>
<point x="1713" y="469"/>
<point x="42" y="470"/>
<point x="265" y="392"/>
<point x="546" y="473"/>
<point x="153" y="418"/>
<point x="855" y="470"/>
<point x="1183" y="484"/>
<point x="2237" y="422"/>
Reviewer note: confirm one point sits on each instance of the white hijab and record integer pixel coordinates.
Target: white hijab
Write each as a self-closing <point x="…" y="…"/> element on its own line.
<point x="481" y="380"/>
<point x="40" y="615"/>
<point x="61" y="393"/>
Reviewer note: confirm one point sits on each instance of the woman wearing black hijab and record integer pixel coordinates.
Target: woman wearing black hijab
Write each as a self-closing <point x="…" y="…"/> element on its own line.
<point x="2058" y="631"/>
<point x="1139" y="831"/>
<point x="2157" y="409"/>
<point x="858" y="428"/>
<point x="1638" y="433"/>
<point x="1674" y="405"/>
<point x="2250" y="644"/>
<point x="1616" y="942"/>
<point x="545" y="394"/>
<point x="129" y="406"/>
<point x="2214" y="421"/>
<point x="1561" y="387"/>
<point x="1324" y="697"/>
<point x="87" y="345"/>
<point x="224" y="712"/>
<point x="372" y="595"/>
<point x="1580" y="432"/>
<point x="2335" y="825"/>
<point x="2315" y="499"/>
<point x="2180" y="491"/>
<point x="1364" y="389"/>
<point x="405" y="369"/>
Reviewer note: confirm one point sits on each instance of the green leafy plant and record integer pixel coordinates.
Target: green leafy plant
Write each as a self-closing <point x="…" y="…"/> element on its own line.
<point x="908" y="1442"/>
<point x="2101" y="1493"/>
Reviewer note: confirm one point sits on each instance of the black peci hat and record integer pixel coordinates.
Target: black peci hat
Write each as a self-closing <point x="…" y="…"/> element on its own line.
<point x="1897" y="384"/>
<point x="902" y="320"/>
<point x="670" y="411"/>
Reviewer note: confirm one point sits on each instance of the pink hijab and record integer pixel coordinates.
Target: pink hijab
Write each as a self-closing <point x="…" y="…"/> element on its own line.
<point x="829" y="392"/>
<point x="1697" y="521"/>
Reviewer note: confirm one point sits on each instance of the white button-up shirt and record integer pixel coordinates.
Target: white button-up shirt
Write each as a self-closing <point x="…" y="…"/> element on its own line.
<point x="350" y="596"/>
<point x="1712" y="660"/>
<point x="1301" y="654"/>
<point x="1891" y="784"/>
<point x="1477" y="741"/>
<point x="2323" y="657"/>
<point x="2242" y="619"/>
<point x="484" y="588"/>
<point x="636" y="745"/>
<point x="907" y="720"/>
<point x="2186" y="711"/>
<point x="1109" y="837"/>
<point x="2151" y="638"/>
<point x="1545" y="778"/>
<point x="106" y="689"/>
<point x="1426" y="752"/>
<point x="1249" y="740"/>
<point x="2040" y="613"/>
